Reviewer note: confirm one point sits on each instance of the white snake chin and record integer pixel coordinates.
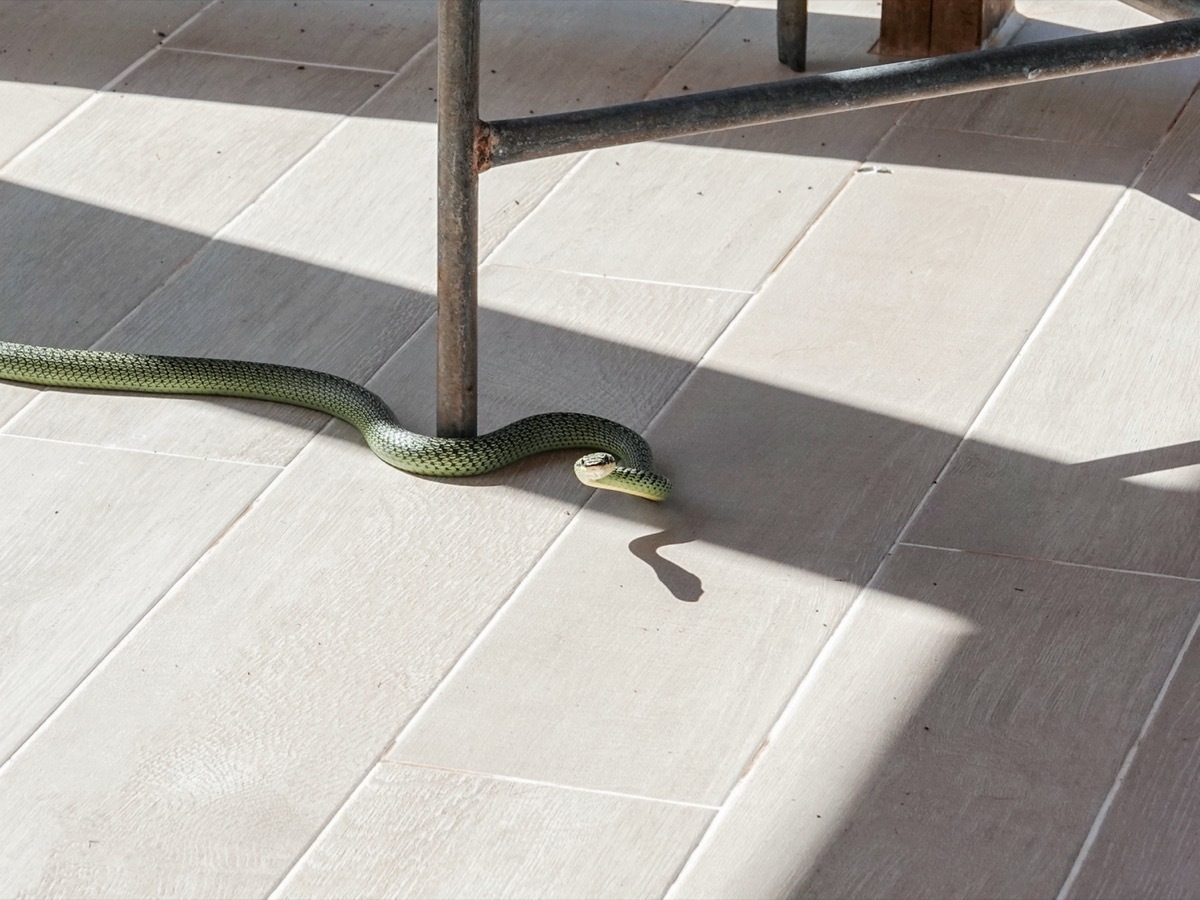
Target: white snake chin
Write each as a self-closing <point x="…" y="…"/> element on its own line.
<point x="631" y="470"/>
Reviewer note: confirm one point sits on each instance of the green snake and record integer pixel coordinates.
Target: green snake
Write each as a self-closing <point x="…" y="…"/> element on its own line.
<point x="621" y="462"/>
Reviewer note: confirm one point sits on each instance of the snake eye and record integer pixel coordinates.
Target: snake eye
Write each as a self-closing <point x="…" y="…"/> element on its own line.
<point x="595" y="466"/>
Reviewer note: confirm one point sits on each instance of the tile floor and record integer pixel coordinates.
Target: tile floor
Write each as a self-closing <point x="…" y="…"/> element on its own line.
<point x="919" y="620"/>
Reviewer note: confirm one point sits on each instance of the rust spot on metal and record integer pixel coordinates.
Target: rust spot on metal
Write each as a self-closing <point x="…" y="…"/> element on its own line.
<point x="485" y="146"/>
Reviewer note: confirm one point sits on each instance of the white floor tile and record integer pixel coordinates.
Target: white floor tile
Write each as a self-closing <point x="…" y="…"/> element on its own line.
<point x="1145" y="846"/>
<point x="355" y="33"/>
<point x="131" y="188"/>
<point x="800" y="447"/>
<point x="804" y="360"/>
<point x="1089" y="452"/>
<point x="957" y="739"/>
<point x="414" y="832"/>
<point x="277" y="674"/>
<point x="94" y="538"/>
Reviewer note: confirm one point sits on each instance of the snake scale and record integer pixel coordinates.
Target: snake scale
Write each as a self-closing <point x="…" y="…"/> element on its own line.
<point x="621" y="462"/>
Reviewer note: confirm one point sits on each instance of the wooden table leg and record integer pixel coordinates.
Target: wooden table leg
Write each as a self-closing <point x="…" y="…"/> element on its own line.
<point x="915" y="28"/>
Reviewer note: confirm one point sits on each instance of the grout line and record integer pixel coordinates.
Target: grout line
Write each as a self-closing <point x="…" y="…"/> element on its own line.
<point x="218" y="235"/>
<point x="140" y="622"/>
<point x="253" y="504"/>
<point x="805" y="231"/>
<point x="585" y="155"/>
<point x="488" y="626"/>
<point x="153" y="51"/>
<point x="97" y="93"/>
<point x="838" y="190"/>
<point x="422" y="710"/>
<point x="1123" y="772"/>
<point x="486" y="630"/>
<point x="856" y="604"/>
<point x="1042" y="323"/>
<point x="1052" y="562"/>
<point x="1015" y="364"/>
<point x="566" y="176"/>
<point x="1090" y="838"/>
<point x="511" y="779"/>
<point x="119" y="449"/>
<point x="690" y="50"/>
<point x="783" y="720"/>
<point x="290" y="62"/>
<point x="515" y="779"/>
<point x="840" y="629"/>
<point x="600" y="276"/>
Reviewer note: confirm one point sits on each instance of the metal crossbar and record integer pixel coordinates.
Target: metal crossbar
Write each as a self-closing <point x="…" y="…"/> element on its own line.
<point x="468" y="146"/>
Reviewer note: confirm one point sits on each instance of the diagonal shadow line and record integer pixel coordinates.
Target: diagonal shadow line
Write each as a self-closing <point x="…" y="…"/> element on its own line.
<point x="1142" y="462"/>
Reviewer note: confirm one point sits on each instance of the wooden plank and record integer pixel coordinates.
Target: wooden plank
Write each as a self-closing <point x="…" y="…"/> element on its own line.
<point x="958" y="738"/>
<point x="415" y="832"/>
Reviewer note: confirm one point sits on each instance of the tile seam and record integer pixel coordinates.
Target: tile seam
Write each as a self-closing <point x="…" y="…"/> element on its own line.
<point x="1015" y="363"/>
<point x="1093" y="833"/>
<point x="836" y="636"/>
<point x="96" y="94"/>
<point x="139" y="623"/>
<point x="583" y="156"/>
<point x="139" y="450"/>
<point x="781" y="721"/>
<point x="504" y="604"/>
<point x="222" y="538"/>
<point x="308" y="64"/>
<point x="219" y="234"/>
<point x="1116" y="570"/>
<point x="600" y="276"/>
<point x="1048" y="314"/>
<point x="1126" y="764"/>
<point x="856" y="602"/>
<point x="439" y="688"/>
<point x="537" y="782"/>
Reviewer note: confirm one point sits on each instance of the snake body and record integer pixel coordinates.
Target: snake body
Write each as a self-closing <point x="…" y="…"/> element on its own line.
<point x="622" y="461"/>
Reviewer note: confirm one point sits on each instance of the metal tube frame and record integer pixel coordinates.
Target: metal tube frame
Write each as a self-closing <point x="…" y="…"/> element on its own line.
<point x="467" y="145"/>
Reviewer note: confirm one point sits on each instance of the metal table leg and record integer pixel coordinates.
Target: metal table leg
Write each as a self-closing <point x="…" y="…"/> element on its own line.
<point x="468" y="146"/>
<point x="791" y="32"/>
<point x="457" y="217"/>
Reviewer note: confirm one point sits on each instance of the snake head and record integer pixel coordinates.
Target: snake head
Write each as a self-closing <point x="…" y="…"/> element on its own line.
<point x="601" y="470"/>
<point x="591" y="468"/>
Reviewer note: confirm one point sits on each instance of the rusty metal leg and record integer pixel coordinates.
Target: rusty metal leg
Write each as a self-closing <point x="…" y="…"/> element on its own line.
<point x="791" y="29"/>
<point x="458" y="217"/>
